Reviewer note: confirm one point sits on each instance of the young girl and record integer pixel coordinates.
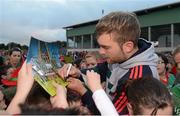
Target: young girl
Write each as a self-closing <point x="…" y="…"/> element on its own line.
<point x="162" y="67"/>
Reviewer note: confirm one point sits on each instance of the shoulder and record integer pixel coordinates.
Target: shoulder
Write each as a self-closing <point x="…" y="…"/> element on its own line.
<point x="139" y="71"/>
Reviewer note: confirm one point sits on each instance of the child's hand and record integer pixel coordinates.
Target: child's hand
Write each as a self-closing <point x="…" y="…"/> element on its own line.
<point x="10" y="70"/>
<point x="4" y="77"/>
<point x="93" y="81"/>
<point x="59" y="100"/>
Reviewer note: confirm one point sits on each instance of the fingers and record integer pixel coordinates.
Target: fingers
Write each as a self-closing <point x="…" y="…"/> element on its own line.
<point x="92" y="74"/>
<point x="59" y="100"/>
<point x="70" y="79"/>
<point x="54" y="84"/>
<point x="69" y="70"/>
<point x="63" y="71"/>
<point x="52" y="100"/>
<point x="72" y="83"/>
<point x="72" y="71"/>
<point x="59" y="88"/>
<point x="26" y="70"/>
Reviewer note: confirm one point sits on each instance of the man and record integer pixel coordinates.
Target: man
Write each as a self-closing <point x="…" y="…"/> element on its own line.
<point x="128" y="57"/>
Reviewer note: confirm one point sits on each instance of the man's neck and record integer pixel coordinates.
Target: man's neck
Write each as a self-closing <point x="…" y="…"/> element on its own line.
<point x="133" y="52"/>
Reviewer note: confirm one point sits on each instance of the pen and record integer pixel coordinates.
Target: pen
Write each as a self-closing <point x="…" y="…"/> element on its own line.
<point x="68" y="70"/>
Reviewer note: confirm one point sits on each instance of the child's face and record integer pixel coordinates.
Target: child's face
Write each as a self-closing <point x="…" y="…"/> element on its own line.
<point x="83" y="65"/>
<point x="161" y="67"/>
<point x="91" y="62"/>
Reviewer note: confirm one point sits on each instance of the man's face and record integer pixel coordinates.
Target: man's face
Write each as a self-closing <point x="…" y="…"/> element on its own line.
<point x="110" y="49"/>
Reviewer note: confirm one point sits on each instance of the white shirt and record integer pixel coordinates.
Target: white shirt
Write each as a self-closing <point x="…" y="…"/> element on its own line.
<point x="104" y="104"/>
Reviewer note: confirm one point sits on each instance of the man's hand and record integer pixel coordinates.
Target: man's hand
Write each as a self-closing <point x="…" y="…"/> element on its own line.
<point x="76" y="85"/>
<point x="74" y="72"/>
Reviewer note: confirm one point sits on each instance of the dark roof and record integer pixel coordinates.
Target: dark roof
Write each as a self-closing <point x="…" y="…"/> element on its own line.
<point x="82" y="24"/>
<point x="138" y="12"/>
<point x="157" y="8"/>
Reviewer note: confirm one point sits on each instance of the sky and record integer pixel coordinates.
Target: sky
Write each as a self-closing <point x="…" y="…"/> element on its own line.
<point x="45" y="19"/>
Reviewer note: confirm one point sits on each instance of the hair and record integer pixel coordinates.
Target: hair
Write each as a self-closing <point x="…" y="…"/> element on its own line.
<point x="164" y="58"/>
<point x="147" y="92"/>
<point x="39" y="97"/>
<point x="91" y="54"/>
<point x="38" y="102"/>
<point x="72" y="96"/>
<point x="176" y="50"/>
<point x="77" y="62"/>
<point x="1" y="60"/>
<point x="124" y="25"/>
<point x="36" y="110"/>
<point x="14" y="49"/>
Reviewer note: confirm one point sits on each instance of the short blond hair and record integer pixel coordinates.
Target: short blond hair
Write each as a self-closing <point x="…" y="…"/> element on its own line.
<point x="91" y="54"/>
<point x="124" y="25"/>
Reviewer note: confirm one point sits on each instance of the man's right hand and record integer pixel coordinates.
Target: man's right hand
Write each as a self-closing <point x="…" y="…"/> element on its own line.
<point x="74" y="72"/>
<point x="76" y="85"/>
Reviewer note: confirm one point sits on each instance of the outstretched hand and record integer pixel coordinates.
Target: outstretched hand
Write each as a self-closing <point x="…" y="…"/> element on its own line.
<point x="25" y="79"/>
<point x="93" y="80"/>
<point x="24" y="84"/>
<point x="59" y="100"/>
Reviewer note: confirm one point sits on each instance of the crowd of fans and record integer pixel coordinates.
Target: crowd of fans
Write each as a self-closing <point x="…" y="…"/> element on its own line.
<point x="168" y="74"/>
<point x="149" y="84"/>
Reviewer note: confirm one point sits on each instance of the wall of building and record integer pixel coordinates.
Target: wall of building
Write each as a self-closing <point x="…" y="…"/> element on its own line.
<point x="159" y="26"/>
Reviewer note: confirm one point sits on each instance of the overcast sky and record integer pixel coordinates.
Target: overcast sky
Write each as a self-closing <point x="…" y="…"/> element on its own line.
<point x="44" y="19"/>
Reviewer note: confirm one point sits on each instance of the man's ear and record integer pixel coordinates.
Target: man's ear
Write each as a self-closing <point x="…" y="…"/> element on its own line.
<point x="128" y="47"/>
<point x="129" y="107"/>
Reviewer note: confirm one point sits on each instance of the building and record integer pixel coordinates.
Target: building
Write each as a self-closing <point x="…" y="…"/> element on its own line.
<point x="160" y="25"/>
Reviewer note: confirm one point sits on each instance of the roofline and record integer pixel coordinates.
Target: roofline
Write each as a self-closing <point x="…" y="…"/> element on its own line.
<point x="81" y="24"/>
<point x="156" y="8"/>
<point x="138" y="12"/>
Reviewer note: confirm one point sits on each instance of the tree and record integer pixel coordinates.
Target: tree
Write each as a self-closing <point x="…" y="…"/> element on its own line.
<point x="2" y="46"/>
<point x="24" y="47"/>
